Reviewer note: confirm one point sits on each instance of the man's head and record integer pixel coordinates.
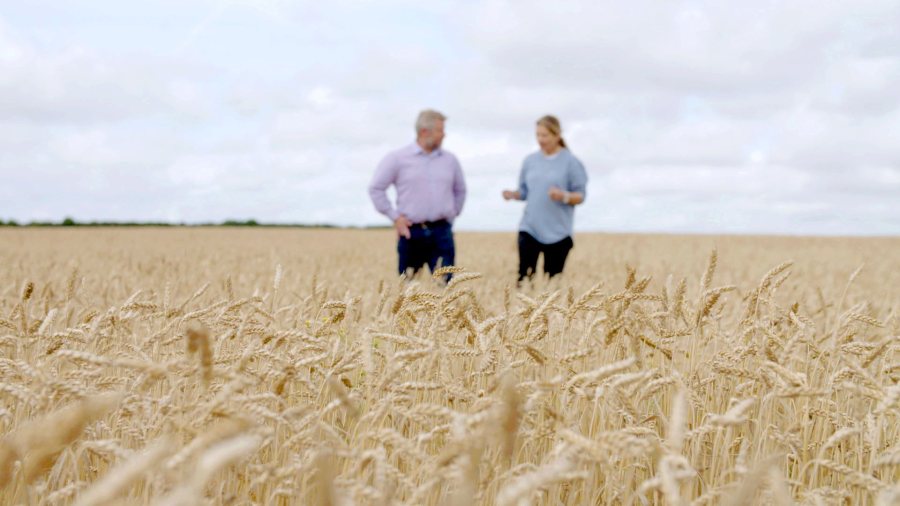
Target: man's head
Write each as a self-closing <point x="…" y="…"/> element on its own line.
<point x="430" y="129"/>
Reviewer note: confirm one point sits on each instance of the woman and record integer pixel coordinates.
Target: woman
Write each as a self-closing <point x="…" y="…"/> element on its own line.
<point x="552" y="182"/>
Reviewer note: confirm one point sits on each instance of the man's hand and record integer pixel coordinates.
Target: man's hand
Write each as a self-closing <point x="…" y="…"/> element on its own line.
<point x="556" y="194"/>
<point x="402" y="225"/>
<point x="510" y="195"/>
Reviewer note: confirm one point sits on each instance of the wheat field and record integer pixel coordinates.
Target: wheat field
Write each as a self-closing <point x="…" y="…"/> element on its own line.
<point x="283" y="366"/>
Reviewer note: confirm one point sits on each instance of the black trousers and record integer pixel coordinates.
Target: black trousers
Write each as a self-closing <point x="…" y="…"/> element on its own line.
<point x="554" y="255"/>
<point x="429" y="243"/>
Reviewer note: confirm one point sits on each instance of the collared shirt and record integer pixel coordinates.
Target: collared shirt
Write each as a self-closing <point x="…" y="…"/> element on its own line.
<point x="430" y="186"/>
<point x="547" y="220"/>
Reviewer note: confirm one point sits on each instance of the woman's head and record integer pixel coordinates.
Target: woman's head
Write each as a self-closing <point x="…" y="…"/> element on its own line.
<point x="549" y="133"/>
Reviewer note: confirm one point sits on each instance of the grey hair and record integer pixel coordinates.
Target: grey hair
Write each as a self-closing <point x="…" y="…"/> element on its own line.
<point x="427" y="119"/>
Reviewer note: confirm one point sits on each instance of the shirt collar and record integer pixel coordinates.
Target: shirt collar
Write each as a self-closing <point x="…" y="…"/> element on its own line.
<point x="416" y="149"/>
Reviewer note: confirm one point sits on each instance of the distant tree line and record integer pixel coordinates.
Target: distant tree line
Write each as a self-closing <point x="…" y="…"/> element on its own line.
<point x="70" y="222"/>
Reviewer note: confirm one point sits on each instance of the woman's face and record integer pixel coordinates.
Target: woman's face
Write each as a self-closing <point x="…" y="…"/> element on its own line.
<point x="546" y="140"/>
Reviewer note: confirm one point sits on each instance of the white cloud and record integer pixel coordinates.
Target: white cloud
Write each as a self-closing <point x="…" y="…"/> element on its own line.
<point x="689" y="115"/>
<point x="78" y="85"/>
<point x="87" y="148"/>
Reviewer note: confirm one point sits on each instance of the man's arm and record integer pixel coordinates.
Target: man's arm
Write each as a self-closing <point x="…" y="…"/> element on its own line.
<point x="459" y="187"/>
<point x="385" y="176"/>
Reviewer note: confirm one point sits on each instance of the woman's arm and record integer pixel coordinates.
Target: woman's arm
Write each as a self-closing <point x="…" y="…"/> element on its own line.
<point x="577" y="189"/>
<point x="522" y="192"/>
<point x="566" y="197"/>
<point x="512" y="195"/>
<point x="573" y="198"/>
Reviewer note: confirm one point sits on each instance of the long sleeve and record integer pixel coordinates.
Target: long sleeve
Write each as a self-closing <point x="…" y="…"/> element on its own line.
<point x="523" y="187"/>
<point x="459" y="188"/>
<point x="385" y="176"/>
<point x="577" y="178"/>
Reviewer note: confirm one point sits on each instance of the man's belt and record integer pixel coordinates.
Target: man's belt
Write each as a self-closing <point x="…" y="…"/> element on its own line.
<point x="431" y="224"/>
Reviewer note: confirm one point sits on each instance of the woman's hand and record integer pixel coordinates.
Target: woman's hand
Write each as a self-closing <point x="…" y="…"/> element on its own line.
<point x="511" y="195"/>
<point x="557" y="194"/>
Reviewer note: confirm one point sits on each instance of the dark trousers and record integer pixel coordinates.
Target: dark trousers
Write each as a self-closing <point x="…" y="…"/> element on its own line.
<point x="429" y="243"/>
<point x="554" y="255"/>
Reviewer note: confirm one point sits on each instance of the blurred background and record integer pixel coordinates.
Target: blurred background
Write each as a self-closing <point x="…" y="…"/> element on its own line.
<point x="776" y="117"/>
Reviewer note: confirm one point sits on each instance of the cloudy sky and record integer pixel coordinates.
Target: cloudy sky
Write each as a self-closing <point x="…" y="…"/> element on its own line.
<point x="691" y="116"/>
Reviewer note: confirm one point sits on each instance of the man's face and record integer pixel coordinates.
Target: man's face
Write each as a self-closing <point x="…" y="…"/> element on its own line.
<point x="432" y="137"/>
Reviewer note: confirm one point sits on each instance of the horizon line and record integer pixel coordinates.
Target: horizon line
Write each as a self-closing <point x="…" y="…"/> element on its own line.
<point x="252" y="223"/>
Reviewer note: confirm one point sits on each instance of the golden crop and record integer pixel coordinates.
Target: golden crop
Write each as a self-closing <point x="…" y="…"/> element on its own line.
<point x="284" y="366"/>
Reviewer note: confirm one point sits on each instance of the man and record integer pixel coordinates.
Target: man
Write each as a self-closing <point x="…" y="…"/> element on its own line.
<point x="430" y="194"/>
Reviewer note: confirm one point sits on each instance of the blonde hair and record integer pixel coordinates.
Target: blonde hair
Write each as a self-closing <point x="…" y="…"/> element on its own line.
<point x="551" y="123"/>
<point x="427" y="119"/>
